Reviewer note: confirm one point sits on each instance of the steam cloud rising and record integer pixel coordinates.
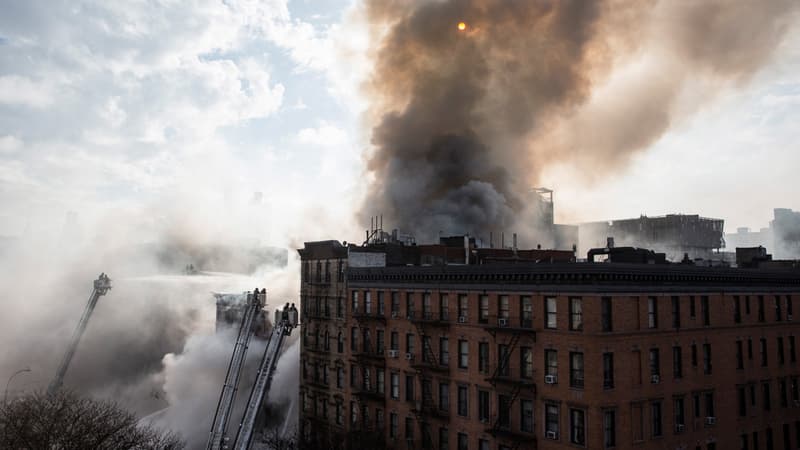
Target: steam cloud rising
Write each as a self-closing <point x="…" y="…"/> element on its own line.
<point x="465" y="121"/>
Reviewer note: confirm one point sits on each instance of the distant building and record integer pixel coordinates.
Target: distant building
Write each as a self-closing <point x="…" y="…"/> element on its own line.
<point x="449" y="346"/>
<point x="781" y="238"/>
<point x="673" y="235"/>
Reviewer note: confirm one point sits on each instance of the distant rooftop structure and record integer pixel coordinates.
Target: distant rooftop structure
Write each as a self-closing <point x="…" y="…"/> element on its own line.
<point x="675" y="235"/>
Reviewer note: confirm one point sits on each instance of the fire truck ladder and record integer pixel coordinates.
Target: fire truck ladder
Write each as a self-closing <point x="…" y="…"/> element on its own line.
<point x="222" y="414"/>
<point x="263" y="381"/>
<point x="101" y="285"/>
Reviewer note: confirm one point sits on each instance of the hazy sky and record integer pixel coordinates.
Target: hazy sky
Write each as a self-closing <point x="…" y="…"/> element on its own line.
<point x="135" y="113"/>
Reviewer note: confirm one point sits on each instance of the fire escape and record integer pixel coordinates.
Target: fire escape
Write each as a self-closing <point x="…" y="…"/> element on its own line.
<point x="502" y="379"/>
<point x="426" y="408"/>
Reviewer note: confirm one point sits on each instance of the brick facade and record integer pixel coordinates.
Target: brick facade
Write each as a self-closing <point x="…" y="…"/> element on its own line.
<point x="631" y="357"/>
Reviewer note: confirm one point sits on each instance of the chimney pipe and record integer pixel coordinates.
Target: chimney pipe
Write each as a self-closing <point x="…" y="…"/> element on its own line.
<point x="502" y="239"/>
<point x="610" y="242"/>
<point x="491" y="240"/>
<point x="466" y="249"/>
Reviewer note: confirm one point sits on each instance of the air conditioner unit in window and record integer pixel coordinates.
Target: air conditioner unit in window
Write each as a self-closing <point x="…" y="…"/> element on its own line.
<point x="655" y="379"/>
<point x="392" y="353"/>
<point x="550" y="379"/>
<point x="552" y="435"/>
<point x="502" y="322"/>
<point x="462" y="319"/>
<point x="711" y="420"/>
<point x="409" y="356"/>
<point x="394" y="314"/>
<point x="679" y="427"/>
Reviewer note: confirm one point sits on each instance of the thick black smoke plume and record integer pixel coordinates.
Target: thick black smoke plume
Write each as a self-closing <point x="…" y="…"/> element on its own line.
<point x="465" y="120"/>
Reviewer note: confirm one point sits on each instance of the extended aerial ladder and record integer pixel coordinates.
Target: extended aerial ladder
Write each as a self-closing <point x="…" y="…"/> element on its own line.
<point x="101" y="285"/>
<point x="284" y="323"/>
<point x="218" y="439"/>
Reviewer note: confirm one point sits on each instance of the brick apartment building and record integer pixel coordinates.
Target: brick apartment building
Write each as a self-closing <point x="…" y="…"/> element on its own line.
<point x="507" y="352"/>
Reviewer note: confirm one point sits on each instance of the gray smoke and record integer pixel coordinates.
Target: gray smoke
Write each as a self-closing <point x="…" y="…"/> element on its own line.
<point x="465" y="121"/>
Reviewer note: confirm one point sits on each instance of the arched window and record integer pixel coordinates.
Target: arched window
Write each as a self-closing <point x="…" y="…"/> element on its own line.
<point x="327" y="341"/>
<point x="340" y="343"/>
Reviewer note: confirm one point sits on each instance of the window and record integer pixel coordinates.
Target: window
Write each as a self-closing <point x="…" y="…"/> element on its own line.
<point x="676" y="312"/>
<point x="755" y="440"/>
<point x="769" y="438"/>
<point x="551" y="418"/>
<point x="409" y="429"/>
<point x="395" y="304"/>
<point x="783" y="391"/>
<point x="526" y="312"/>
<point x="781" y="359"/>
<point x="705" y="310"/>
<point x="750" y="348"/>
<point x="636" y="370"/>
<point x="575" y="314"/>
<point x="551" y="362"/>
<point x="503" y="360"/>
<point x="609" y="428"/>
<point x="739" y="355"/>
<point x="741" y="396"/>
<point x="444" y="351"/>
<point x="463" y="306"/>
<point x="694" y="355"/>
<point x="652" y="312"/>
<point x="678" y="409"/>
<point x="483" y="444"/>
<point x="354" y="302"/>
<point x="677" y="362"/>
<point x="340" y="377"/>
<point x="760" y="308"/>
<point x="767" y="397"/>
<point x="692" y="309"/>
<point x="444" y="396"/>
<point x="787" y="440"/>
<point x="340" y="307"/>
<point x="504" y="411"/>
<point x="577" y="426"/>
<point x="393" y="425"/>
<point x="395" y="381"/>
<point x="339" y="414"/>
<point x="655" y="362"/>
<point x="367" y="302"/>
<point x="426" y="306"/>
<point x="353" y="375"/>
<point x="483" y="311"/>
<point x="550" y="312"/>
<point x="795" y="391"/>
<point x="410" y="305"/>
<point x="737" y="310"/>
<point x="394" y="339"/>
<point x="444" y="308"/>
<point x="637" y="419"/>
<point x="327" y="342"/>
<point x="655" y="416"/>
<point x="463" y="405"/>
<point x="696" y="405"/>
<point x="483" y="406"/>
<point x="444" y="439"/>
<point x="576" y="369"/>
<point x="753" y="395"/>
<point x="381" y="375"/>
<point x="340" y="271"/>
<point x="788" y="307"/>
<point x="792" y="354"/>
<point x="606" y="314"/>
<point x="353" y="413"/>
<point x="505" y="307"/>
<point x="778" y="312"/>
<point x="526" y="362"/>
<point x="381" y="305"/>
<point x="608" y="370"/>
<point x="353" y="339"/>
<point x="379" y="419"/>
<point x="526" y="415"/>
<point x="764" y="361"/>
<point x="483" y="357"/>
<point x="409" y="343"/>
<point x="707" y="358"/>
<point x="463" y="441"/>
<point x="409" y="388"/>
<point x="463" y="354"/>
